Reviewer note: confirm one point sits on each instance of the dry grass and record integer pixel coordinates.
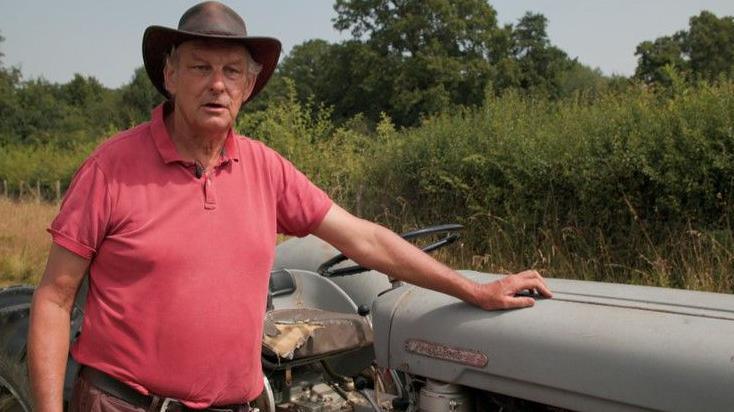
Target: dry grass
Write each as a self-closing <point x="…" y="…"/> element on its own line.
<point x="688" y="259"/>
<point x="691" y="260"/>
<point x="24" y="242"/>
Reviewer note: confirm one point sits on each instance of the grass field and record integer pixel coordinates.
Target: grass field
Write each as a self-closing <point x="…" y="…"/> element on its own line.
<point x="24" y="242"/>
<point x="692" y="260"/>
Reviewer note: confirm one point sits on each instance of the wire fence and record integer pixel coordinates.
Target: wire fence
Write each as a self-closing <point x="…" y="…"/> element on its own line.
<point x="38" y="191"/>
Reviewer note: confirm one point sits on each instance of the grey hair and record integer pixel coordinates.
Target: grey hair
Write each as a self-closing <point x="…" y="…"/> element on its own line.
<point x="253" y="67"/>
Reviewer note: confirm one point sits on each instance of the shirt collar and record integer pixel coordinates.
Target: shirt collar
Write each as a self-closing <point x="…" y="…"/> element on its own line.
<point x="164" y="143"/>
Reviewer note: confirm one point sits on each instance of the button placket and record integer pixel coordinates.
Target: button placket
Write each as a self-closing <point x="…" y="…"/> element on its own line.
<point x="210" y="198"/>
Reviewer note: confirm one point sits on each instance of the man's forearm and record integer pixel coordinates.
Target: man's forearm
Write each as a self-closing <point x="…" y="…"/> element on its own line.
<point x="378" y="248"/>
<point x="48" y="351"/>
<point x="392" y="255"/>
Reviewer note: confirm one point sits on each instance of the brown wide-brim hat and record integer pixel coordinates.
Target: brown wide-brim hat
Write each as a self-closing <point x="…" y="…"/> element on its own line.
<point x="207" y="20"/>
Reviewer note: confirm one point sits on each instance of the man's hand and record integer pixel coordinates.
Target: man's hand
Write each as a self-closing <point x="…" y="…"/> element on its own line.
<point x="502" y="293"/>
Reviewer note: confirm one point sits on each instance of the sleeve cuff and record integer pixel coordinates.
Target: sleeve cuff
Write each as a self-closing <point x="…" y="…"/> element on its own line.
<point x="71" y="245"/>
<point x="319" y="217"/>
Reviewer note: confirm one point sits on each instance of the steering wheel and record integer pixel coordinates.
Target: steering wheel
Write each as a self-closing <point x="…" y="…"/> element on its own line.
<point x="326" y="268"/>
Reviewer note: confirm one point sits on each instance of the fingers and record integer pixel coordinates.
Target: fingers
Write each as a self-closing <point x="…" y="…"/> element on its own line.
<point x="529" y="279"/>
<point x="518" y="302"/>
<point x="503" y="294"/>
<point x="534" y="284"/>
<point x="533" y="274"/>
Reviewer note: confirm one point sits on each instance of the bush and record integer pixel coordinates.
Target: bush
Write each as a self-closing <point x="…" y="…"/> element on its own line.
<point x="612" y="183"/>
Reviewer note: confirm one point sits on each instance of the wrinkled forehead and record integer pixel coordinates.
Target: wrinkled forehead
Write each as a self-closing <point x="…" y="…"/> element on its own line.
<point x="214" y="47"/>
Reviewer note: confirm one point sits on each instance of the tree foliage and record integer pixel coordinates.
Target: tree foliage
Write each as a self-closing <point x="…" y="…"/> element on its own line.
<point x="138" y="98"/>
<point x="534" y="64"/>
<point x="2" y="39"/>
<point x="305" y="65"/>
<point x="429" y="54"/>
<point x="709" y="45"/>
<point x="77" y="112"/>
<point x="654" y="56"/>
<point x="412" y="59"/>
<point x="460" y="28"/>
<point x="704" y="52"/>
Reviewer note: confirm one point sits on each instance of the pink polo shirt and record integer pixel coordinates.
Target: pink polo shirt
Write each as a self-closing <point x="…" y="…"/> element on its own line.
<point x="179" y="264"/>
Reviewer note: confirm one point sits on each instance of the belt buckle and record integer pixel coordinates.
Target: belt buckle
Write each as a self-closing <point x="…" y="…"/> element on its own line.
<point x="166" y="403"/>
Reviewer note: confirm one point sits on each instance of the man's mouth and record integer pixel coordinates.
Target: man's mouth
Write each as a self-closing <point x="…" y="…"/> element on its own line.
<point x="215" y="106"/>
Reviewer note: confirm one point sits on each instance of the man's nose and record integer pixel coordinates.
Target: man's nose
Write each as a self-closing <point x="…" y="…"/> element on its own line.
<point x="216" y="81"/>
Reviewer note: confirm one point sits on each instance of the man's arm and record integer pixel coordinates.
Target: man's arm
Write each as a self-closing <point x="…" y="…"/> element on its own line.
<point x="376" y="247"/>
<point x="48" y="337"/>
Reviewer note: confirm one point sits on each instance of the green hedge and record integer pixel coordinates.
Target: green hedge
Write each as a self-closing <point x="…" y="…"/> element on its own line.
<point x="632" y="186"/>
<point x="669" y="160"/>
<point x="607" y="188"/>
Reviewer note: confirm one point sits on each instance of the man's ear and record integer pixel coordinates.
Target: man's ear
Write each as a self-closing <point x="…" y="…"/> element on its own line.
<point x="169" y="78"/>
<point x="249" y="85"/>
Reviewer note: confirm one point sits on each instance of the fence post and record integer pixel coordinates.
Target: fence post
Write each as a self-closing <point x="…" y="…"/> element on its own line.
<point x="358" y="202"/>
<point x="20" y="189"/>
<point x="58" y="191"/>
<point x="38" y="191"/>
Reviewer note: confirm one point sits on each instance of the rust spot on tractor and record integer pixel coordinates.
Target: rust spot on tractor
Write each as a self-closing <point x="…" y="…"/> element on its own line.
<point x="448" y="353"/>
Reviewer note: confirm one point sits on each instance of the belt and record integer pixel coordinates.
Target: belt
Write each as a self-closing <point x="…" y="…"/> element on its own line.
<point x="120" y="390"/>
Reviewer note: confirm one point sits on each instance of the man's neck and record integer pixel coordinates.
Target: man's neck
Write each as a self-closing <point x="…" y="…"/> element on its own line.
<point x="197" y="146"/>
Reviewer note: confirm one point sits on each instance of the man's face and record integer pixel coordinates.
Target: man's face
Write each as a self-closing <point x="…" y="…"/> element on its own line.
<point x="209" y="81"/>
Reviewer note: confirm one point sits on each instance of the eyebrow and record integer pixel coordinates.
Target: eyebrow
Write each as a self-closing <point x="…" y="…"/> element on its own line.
<point x="239" y="60"/>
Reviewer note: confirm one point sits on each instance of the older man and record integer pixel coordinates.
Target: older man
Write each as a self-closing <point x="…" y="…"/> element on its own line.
<point x="175" y="222"/>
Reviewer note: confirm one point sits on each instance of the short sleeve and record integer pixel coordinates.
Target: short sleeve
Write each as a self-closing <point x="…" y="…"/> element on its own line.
<point x="82" y="222"/>
<point x="301" y="204"/>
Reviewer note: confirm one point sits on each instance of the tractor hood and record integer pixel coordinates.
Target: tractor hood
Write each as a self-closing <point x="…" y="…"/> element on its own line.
<point x="594" y="346"/>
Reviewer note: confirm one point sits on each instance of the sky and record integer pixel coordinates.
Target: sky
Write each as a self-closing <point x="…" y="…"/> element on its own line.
<point x="54" y="39"/>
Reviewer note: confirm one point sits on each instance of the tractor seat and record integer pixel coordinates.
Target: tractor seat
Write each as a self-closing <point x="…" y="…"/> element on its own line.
<point x="305" y="333"/>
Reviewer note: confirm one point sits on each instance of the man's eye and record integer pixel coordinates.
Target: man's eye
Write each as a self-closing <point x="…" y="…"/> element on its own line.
<point x="200" y="68"/>
<point x="232" y="72"/>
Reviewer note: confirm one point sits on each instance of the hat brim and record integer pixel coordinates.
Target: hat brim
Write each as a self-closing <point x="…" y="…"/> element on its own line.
<point x="158" y="41"/>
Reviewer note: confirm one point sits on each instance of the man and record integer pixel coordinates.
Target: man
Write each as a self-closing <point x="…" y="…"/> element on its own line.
<point x="175" y="221"/>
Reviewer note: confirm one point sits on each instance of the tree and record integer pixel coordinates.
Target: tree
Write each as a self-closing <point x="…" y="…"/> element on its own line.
<point x="581" y="78"/>
<point x="709" y="45"/>
<point x="305" y="65"/>
<point x="412" y="59"/>
<point x="82" y="91"/>
<point x="656" y="55"/>
<point x="137" y="99"/>
<point x="40" y="116"/>
<point x="407" y="27"/>
<point x="541" y="64"/>
<point x="2" y="39"/>
<point x="9" y="80"/>
<point x="433" y="53"/>
<point x="357" y="80"/>
<point x="705" y="51"/>
<point x="9" y="107"/>
<point x="348" y="77"/>
<point x="276" y="92"/>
